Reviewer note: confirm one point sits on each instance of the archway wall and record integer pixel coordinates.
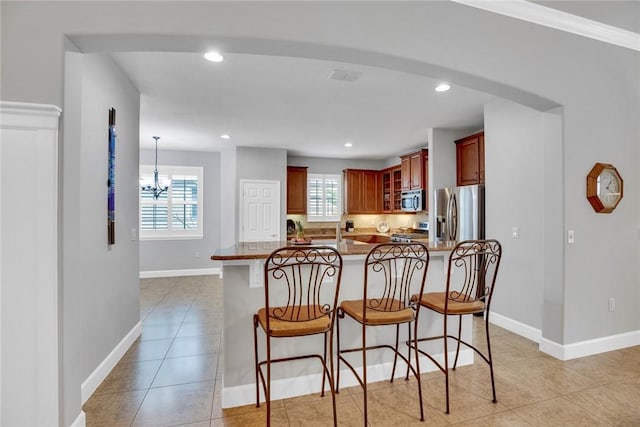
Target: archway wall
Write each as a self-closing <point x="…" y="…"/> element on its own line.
<point x="595" y="83"/>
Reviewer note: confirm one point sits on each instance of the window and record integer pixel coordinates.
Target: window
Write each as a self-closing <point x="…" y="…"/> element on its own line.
<point x="177" y="213"/>
<point x="323" y="198"/>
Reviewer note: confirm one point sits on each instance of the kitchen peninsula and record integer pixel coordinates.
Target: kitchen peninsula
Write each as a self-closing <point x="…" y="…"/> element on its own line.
<point x="244" y="293"/>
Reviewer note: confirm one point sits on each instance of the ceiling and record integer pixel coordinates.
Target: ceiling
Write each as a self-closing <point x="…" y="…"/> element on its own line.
<point x="290" y="103"/>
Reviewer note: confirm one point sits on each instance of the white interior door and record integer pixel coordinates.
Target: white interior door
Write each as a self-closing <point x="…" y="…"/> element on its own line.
<point x="259" y="210"/>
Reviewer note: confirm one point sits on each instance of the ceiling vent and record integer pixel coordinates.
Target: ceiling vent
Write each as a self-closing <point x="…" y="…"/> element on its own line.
<point x="344" y="75"/>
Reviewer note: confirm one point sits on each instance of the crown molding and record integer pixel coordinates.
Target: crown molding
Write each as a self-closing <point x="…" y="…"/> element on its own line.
<point x="559" y="20"/>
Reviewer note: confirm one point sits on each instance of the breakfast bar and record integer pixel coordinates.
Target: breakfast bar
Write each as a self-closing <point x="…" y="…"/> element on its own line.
<point x="243" y="290"/>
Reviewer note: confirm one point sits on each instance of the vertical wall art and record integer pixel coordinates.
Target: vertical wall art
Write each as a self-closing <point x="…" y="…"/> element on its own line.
<point x="111" y="182"/>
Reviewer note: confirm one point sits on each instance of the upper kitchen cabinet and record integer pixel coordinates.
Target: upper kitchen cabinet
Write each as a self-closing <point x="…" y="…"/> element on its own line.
<point x="470" y="160"/>
<point x="414" y="176"/>
<point x="391" y="181"/>
<point x="296" y="190"/>
<point x="361" y="191"/>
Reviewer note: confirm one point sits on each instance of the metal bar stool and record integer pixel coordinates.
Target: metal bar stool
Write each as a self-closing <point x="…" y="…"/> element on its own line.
<point x="393" y="273"/>
<point x="301" y="285"/>
<point x="471" y="277"/>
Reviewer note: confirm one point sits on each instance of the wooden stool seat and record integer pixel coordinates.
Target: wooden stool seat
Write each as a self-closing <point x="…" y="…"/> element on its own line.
<point x="376" y="313"/>
<point x="436" y="301"/>
<point x="285" y="323"/>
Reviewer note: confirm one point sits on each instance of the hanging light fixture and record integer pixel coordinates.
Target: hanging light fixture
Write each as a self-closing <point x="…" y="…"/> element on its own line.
<point x="157" y="188"/>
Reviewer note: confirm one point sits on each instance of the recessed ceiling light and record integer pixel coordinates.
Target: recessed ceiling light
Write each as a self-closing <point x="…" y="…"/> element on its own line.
<point x="348" y="144"/>
<point x="225" y="136"/>
<point x="443" y="87"/>
<point x="213" y="57"/>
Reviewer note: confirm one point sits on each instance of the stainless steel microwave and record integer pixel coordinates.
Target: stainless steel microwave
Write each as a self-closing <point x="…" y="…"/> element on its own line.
<point x="413" y="201"/>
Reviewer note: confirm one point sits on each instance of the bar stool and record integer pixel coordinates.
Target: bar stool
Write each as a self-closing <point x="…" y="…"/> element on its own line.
<point x="471" y="277"/>
<point x="393" y="272"/>
<point x="301" y="285"/>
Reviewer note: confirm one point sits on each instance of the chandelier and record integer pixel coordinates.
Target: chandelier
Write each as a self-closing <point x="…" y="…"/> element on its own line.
<point x="157" y="188"/>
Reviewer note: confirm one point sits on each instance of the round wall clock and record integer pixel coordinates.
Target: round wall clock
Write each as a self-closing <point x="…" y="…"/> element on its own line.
<point x="604" y="188"/>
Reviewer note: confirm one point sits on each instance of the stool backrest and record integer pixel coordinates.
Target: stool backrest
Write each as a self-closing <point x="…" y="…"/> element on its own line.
<point x="395" y="273"/>
<point x="472" y="272"/>
<point x="301" y="283"/>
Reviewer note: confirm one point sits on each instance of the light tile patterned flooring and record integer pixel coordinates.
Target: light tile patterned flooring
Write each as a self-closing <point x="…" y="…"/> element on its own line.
<point x="172" y="376"/>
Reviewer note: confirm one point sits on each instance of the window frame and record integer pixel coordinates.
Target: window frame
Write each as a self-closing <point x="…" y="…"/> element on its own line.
<point x="324" y="217"/>
<point x="170" y="233"/>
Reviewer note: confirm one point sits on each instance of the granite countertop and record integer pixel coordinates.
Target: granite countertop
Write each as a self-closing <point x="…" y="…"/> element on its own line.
<point x="259" y="250"/>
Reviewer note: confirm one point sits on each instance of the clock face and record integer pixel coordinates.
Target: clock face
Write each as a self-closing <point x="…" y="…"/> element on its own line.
<point x="609" y="188"/>
<point x="604" y="188"/>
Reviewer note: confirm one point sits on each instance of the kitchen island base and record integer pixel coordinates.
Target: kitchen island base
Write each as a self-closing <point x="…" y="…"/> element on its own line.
<point x="301" y="377"/>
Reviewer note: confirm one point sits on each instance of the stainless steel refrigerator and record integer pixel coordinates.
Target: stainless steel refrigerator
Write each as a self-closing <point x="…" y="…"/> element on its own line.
<point x="459" y="213"/>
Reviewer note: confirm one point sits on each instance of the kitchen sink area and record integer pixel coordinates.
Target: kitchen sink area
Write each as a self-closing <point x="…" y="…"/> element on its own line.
<point x="371" y="238"/>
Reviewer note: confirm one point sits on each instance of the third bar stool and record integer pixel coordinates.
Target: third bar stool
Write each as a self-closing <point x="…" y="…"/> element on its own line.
<point x="471" y="276"/>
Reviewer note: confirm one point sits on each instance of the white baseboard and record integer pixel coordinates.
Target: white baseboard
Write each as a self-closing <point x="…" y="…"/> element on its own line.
<point x="178" y="273"/>
<point x="291" y="387"/>
<point x="516" y="327"/>
<point x="100" y="373"/>
<point x="80" y="421"/>
<point x="590" y="347"/>
<point x="568" y="351"/>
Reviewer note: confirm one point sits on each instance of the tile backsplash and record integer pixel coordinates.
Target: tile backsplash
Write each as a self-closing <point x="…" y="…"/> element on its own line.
<point x="367" y="221"/>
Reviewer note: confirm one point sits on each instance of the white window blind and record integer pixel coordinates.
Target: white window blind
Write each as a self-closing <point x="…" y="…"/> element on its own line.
<point x="177" y="213"/>
<point x="323" y="198"/>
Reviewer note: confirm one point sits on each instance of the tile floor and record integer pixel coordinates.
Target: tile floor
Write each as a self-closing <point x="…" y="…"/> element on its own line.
<point x="172" y="376"/>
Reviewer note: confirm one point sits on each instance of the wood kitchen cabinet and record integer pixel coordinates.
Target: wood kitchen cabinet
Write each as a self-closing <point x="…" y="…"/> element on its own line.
<point x="391" y="181"/>
<point x="470" y="160"/>
<point x="414" y="176"/>
<point x="296" y="190"/>
<point x="361" y="191"/>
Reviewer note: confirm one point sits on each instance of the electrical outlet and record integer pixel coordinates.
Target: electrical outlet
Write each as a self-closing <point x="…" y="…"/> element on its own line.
<point x="197" y="254"/>
<point x="612" y="304"/>
<point x="515" y="232"/>
<point x="570" y="236"/>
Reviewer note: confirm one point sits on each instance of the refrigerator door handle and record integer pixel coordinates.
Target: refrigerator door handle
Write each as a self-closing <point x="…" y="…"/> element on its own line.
<point x="452" y="214"/>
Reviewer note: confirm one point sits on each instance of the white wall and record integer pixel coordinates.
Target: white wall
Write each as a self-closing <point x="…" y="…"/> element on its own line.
<point x="161" y="255"/>
<point x="29" y="333"/>
<point x="100" y="286"/>
<point x="515" y="198"/>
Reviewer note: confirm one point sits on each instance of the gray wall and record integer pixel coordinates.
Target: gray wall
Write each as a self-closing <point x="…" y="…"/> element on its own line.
<point x="99" y="283"/>
<point x="265" y="164"/>
<point x="228" y="191"/>
<point x="523" y="62"/>
<point x="157" y="255"/>
<point x="513" y="164"/>
<point x="335" y="166"/>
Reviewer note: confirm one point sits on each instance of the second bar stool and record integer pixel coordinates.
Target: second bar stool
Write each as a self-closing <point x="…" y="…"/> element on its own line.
<point x="393" y="272"/>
